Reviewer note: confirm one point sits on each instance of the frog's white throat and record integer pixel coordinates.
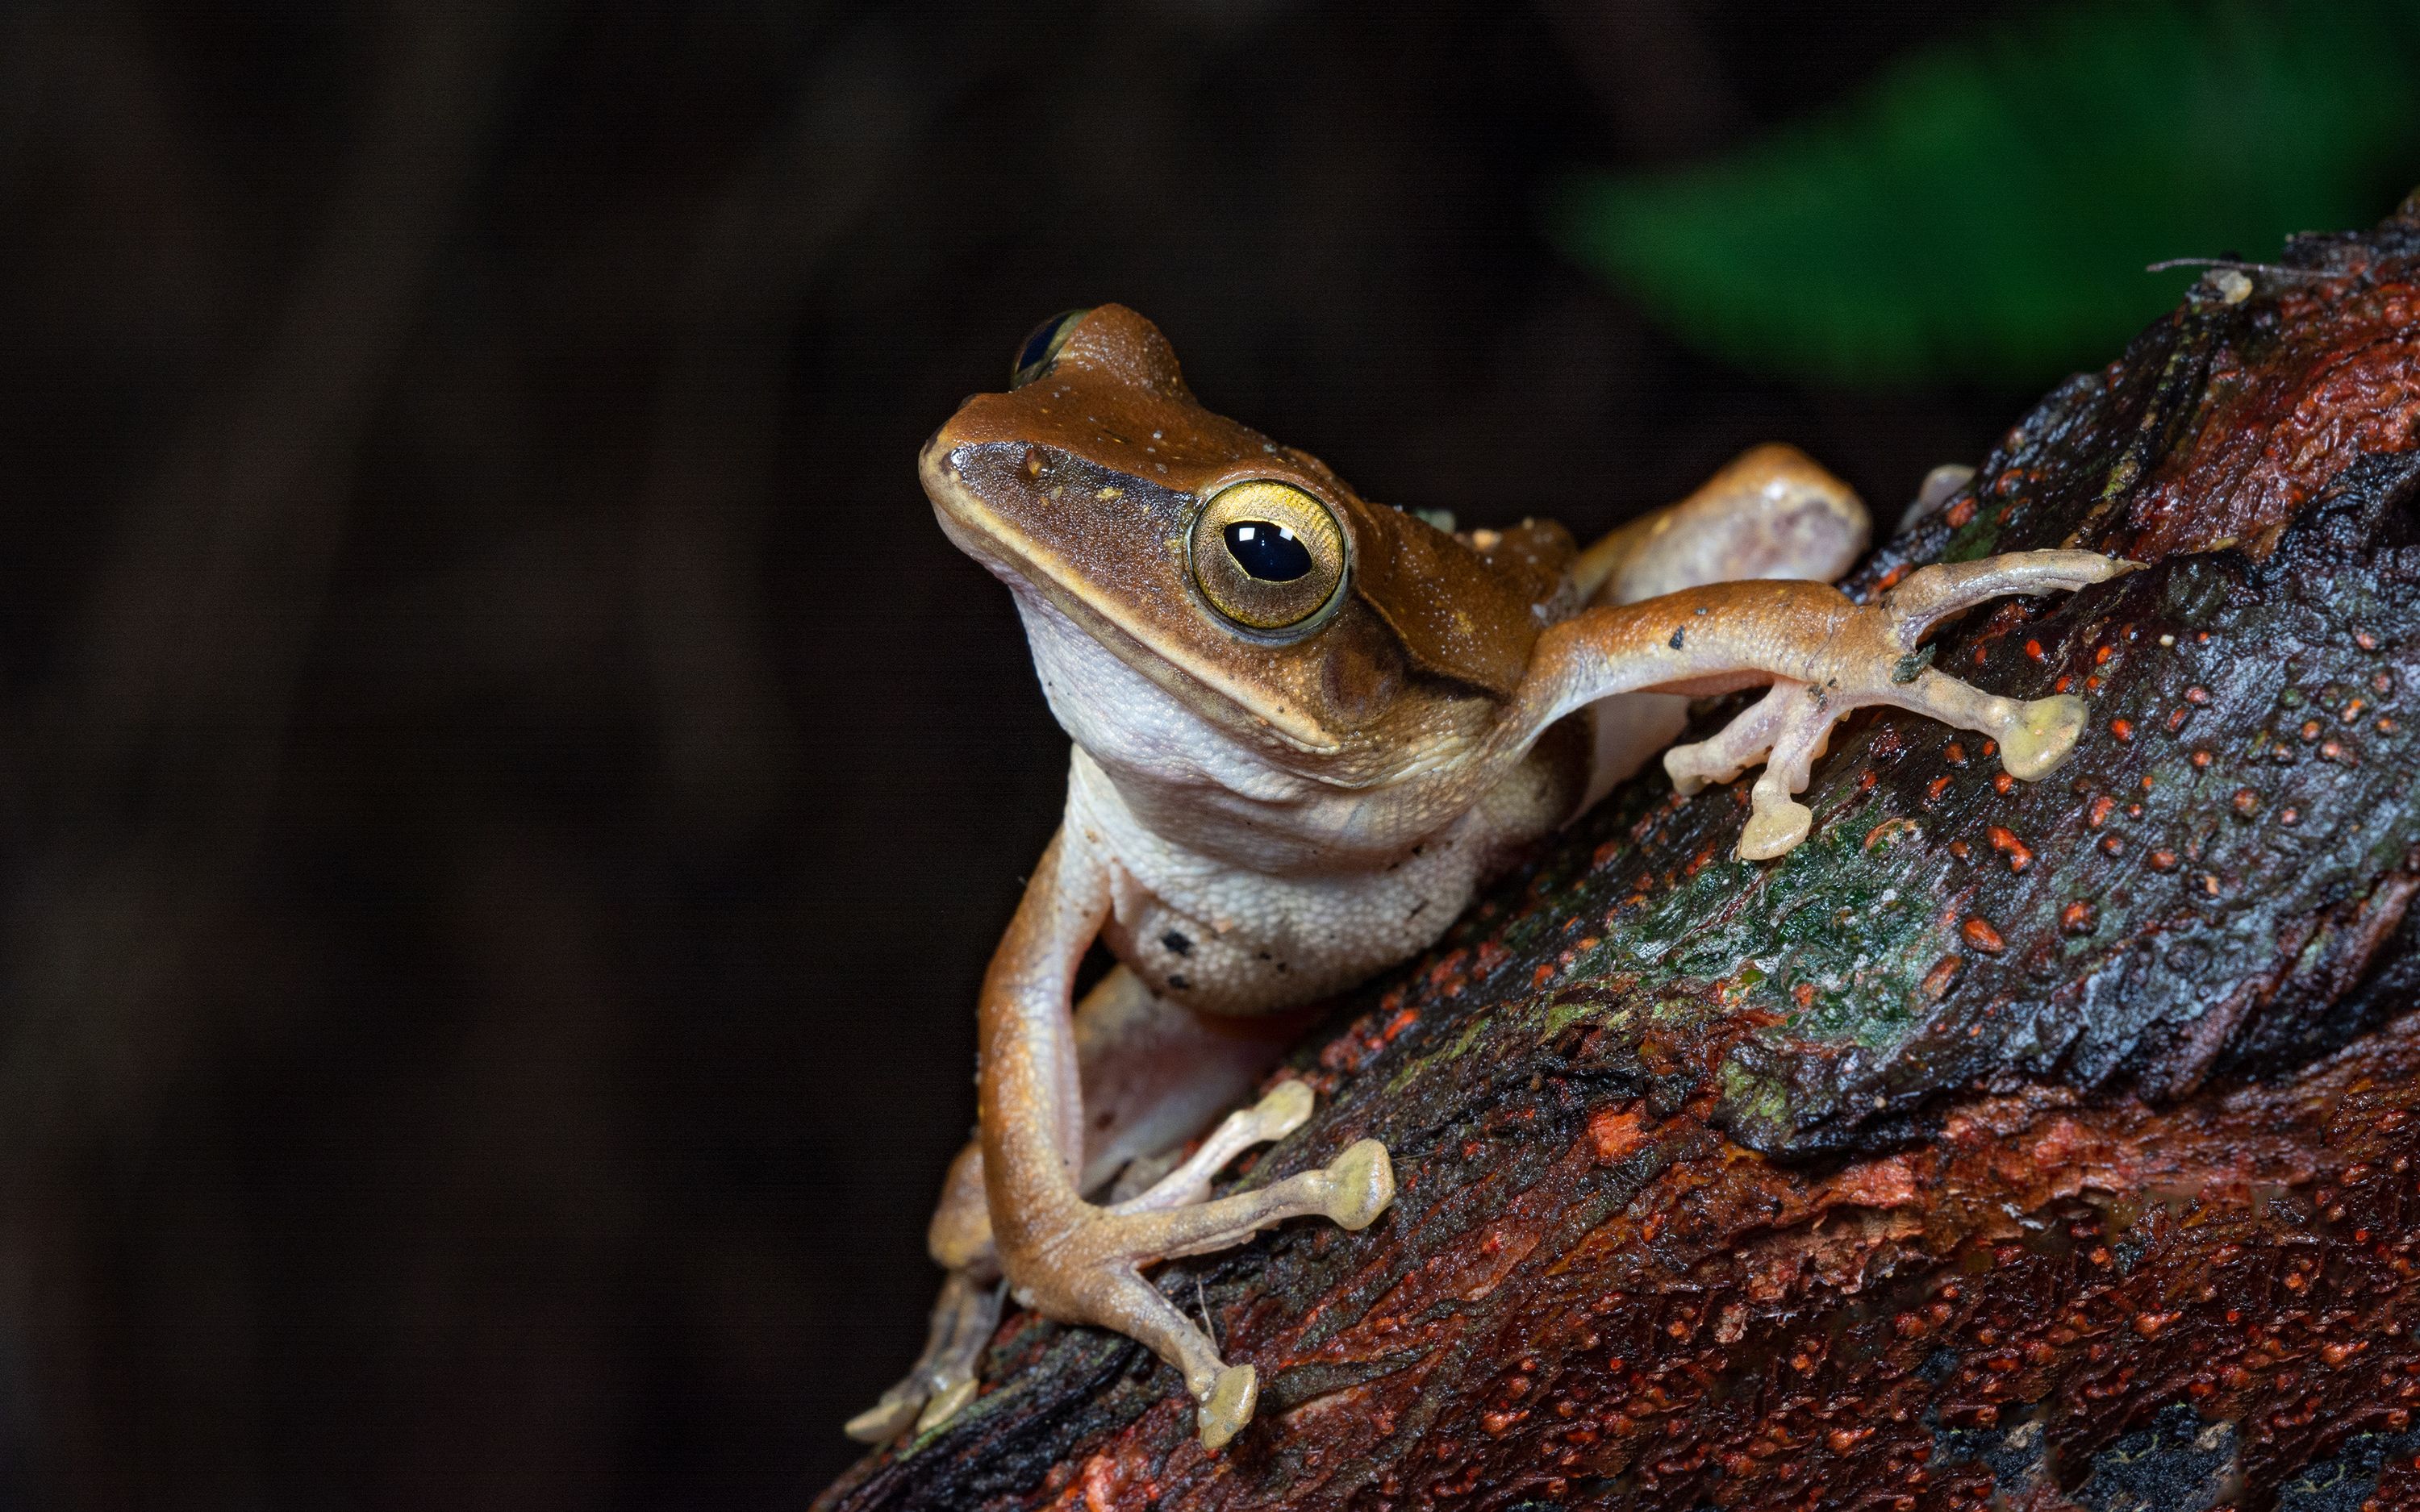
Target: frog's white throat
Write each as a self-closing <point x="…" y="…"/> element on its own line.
<point x="1136" y="729"/>
<point x="1196" y="785"/>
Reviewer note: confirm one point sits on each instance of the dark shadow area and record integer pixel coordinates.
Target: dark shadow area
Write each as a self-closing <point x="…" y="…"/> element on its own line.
<point x="507" y="793"/>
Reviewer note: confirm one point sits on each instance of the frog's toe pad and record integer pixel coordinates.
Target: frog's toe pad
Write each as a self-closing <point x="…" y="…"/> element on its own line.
<point x="1775" y="829"/>
<point x="1362" y="1183"/>
<point x="2044" y="732"/>
<point x="1286" y="1109"/>
<point x="1223" y="1413"/>
<point x="1693" y="767"/>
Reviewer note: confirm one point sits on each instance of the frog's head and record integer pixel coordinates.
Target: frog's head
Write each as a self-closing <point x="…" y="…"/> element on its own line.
<point x="1241" y="576"/>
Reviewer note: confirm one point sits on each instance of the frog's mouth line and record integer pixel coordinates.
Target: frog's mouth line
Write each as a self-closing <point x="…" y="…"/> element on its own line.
<point x="980" y="532"/>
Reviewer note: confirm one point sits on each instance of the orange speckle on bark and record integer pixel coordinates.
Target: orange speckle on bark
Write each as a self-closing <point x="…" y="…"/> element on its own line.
<point x="1615" y="1132"/>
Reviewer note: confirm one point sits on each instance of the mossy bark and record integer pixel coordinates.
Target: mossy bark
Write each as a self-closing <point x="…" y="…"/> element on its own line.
<point x="2052" y="1141"/>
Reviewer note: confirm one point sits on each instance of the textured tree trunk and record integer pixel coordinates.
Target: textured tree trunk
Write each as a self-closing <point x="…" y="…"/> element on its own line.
<point x="2048" y="1142"/>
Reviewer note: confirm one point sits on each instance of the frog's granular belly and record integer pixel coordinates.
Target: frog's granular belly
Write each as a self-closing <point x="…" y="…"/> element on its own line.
<point x="1228" y="941"/>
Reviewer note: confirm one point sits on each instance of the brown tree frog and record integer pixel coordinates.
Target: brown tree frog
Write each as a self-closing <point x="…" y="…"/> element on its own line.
<point x="1306" y="727"/>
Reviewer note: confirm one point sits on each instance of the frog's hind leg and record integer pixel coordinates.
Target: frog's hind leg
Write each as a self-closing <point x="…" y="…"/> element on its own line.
<point x="1095" y="1276"/>
<point x="1772" y="512"/>
<point x="1152" y="1072"/>
<point x="943" y="1377"/>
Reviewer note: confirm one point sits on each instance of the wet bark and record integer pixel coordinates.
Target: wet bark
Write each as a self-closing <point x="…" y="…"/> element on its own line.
<point x="2053" y="1142"/>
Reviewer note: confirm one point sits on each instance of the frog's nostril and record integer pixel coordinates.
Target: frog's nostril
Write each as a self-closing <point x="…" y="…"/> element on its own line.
<point x="1267" y="551"/>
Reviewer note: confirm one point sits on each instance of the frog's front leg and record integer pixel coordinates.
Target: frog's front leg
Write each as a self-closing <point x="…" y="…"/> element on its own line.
<point x="1771" y="512"/>
<point x="1825" y="656"/>
<point x="1069" y="1258"/>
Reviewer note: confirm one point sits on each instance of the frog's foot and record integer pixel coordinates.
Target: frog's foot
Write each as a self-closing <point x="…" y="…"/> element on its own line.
<point x="1874" y="659"/>
<point x="943" y="1380"/>
<point x="1286" y="1109"/>
<point x="1087" y="1271"/>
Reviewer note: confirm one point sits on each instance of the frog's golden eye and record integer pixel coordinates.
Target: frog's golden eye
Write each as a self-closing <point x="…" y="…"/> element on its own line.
<point x="1033" y="358"/>
<point x="1268" y="555"/>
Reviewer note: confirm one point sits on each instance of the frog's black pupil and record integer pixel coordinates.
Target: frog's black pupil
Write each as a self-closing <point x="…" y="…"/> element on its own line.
<point x="1268" y="551"/>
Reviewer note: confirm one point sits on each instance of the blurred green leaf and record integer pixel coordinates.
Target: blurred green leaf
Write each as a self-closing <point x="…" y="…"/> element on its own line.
<point x="1985" y="209"/>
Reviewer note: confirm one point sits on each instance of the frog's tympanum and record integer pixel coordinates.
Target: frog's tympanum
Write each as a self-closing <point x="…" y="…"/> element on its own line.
<point x="1306" y="727"/>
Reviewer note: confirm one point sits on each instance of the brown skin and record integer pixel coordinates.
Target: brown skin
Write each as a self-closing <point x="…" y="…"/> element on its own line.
<point x="1432" y="634"/>
<point x="1281" y="797"/>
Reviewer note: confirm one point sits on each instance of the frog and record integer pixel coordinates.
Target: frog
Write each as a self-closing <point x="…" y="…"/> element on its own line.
<point x="1306" y="729"/>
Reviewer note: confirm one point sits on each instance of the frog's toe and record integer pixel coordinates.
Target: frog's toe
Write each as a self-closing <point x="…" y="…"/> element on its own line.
<point x="944" y="1377"/>
<point x="945" y="1405"/>
<point x="1362" y="1184"/>
<point x="1738" y="744"/>
<point x="1286" y="1109"/>
<point x="1229" y="1406"/>
<point x="1798" y="727"/>
<point x="1931" y="593"/>
<point x="889" y="1417"/>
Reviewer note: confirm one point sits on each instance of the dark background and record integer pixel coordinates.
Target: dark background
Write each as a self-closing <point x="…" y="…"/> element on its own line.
<point x="507" y="793"/>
